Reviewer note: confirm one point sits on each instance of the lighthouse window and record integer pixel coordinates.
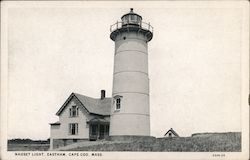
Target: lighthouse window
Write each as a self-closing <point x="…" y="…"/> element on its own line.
<point x="125" y="20"/>
<point x="133" y="17"/>
<point x="118" y="103"/>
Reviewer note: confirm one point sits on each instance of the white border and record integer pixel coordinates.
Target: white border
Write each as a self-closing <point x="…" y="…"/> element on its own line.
<point x="244" y="5"/>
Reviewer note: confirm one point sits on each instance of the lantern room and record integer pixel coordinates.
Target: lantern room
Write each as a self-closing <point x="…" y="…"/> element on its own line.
<point x="131" y="18"/>
<point x="131" y="23"/>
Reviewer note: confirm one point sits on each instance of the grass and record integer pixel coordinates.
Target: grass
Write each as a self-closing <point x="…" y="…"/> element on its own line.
<point x="215" y="142"/>
<point x="27" y="147"/>
<point x="202" y="142"/>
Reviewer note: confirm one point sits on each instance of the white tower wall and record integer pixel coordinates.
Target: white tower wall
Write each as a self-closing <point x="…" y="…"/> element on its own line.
<point x="131" y="82"/>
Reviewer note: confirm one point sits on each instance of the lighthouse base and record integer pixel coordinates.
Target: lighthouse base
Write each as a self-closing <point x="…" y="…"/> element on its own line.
<point x="131" y="138"/>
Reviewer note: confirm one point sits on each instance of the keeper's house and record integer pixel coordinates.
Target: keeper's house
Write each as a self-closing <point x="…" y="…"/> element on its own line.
<point x="81" y="118"/>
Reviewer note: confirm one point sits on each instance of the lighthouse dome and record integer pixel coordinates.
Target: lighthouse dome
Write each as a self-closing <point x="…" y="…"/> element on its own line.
<point x="131" y="18"/>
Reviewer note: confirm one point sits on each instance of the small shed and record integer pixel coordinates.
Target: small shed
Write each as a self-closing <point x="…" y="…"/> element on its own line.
<point x="171" y="133"/>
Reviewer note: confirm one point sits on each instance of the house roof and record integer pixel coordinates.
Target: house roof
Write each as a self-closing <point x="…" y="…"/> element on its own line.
<point x="98" y="120"/>
<point x="172" y="131"/>
<point x="92" y="105"/>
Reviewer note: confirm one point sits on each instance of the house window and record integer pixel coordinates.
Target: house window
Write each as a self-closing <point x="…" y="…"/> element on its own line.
<point x="118" y="104"/>
<point x="73" y="128"/>
<point x="73" y="111"/>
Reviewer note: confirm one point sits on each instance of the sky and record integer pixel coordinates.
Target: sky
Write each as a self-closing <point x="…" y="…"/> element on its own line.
<point x="194" y="63"/>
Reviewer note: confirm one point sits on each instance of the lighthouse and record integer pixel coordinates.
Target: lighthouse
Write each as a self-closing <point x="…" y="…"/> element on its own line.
<point x="130" y="111"/>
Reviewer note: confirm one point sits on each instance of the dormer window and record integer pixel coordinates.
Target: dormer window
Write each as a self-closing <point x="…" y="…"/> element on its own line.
<point x="73" y="111"/>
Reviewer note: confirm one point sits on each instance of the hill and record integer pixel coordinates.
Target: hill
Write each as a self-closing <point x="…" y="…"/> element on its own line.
<point x="200" y="142"/>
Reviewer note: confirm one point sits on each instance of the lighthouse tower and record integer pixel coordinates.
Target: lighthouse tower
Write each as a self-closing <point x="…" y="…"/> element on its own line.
<point x="130" y="113"/>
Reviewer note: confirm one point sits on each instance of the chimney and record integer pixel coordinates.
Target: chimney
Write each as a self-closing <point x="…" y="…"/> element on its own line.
<point x="102" y="94"/>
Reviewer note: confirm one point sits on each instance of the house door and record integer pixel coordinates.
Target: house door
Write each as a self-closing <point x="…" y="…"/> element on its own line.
<point x="101" y="132"/>
<point x="93" y="132"/>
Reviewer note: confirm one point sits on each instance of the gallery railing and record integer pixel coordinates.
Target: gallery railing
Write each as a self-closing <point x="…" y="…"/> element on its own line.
<point x="142" y="25"/>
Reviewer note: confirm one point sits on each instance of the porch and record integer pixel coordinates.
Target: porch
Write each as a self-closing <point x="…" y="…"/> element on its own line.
<point x="98" y="129"/>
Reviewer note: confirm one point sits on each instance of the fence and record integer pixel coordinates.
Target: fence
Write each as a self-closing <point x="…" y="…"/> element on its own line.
<point x="142" y="25"/>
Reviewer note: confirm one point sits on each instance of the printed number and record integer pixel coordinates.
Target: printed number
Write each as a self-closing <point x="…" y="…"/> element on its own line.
<point x="219" y="155"/>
